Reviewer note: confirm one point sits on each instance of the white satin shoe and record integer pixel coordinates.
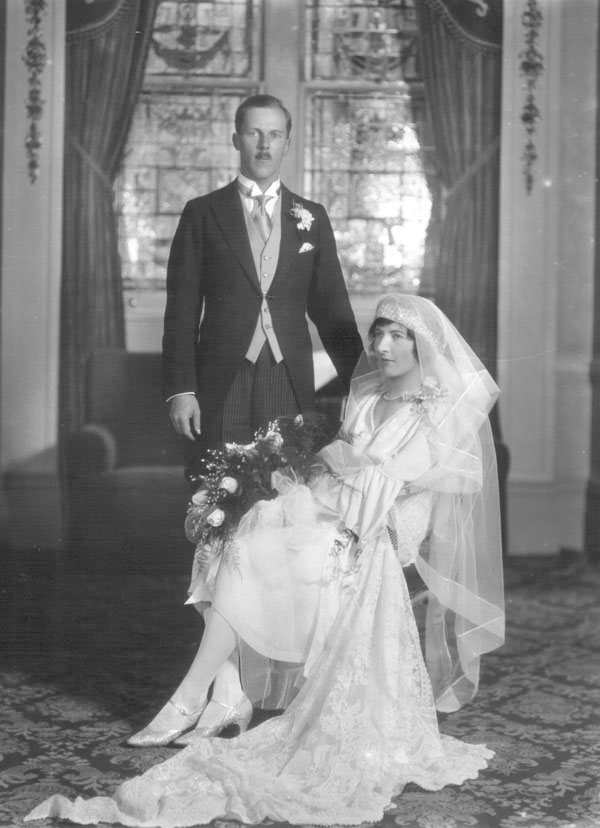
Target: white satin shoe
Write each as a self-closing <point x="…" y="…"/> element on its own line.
<point x="156" y="734"/>
<point x="238" y="714"/>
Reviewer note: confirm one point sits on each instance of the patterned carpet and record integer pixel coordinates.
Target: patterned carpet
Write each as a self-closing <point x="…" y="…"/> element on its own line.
<point x="87" y="660"/>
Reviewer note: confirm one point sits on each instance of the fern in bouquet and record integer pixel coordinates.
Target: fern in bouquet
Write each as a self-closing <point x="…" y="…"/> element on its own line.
<point x="240" y="475"/>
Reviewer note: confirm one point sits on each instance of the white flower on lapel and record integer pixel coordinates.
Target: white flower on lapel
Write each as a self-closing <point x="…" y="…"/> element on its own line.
<point x="304" y="216"/>
<point x="306" y="247"/>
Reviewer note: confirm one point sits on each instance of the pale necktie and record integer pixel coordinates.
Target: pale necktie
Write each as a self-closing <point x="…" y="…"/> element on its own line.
<point x="260" y="217"/>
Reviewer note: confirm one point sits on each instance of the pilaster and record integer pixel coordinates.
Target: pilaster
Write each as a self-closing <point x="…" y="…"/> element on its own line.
<point x="31" y="270"/>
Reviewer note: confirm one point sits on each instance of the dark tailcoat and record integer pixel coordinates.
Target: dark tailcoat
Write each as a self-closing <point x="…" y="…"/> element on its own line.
<point x="213" y="289"/>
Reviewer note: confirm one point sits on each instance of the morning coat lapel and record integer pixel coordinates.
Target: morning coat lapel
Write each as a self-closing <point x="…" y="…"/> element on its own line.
<point x="289" y="235"/>
<point x="228" y="212"/>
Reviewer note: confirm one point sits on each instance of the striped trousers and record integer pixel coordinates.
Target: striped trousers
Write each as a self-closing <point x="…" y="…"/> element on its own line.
<point x="260" y="392"/>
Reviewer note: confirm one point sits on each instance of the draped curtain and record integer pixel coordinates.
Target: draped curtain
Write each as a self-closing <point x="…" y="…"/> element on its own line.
<point x="107" y="44"/>
<point x="461" y="53"/>
<point x="461" y="56"/>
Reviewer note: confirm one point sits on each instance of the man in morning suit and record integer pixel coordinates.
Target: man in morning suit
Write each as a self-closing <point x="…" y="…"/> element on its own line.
<point x="247" y="263"/>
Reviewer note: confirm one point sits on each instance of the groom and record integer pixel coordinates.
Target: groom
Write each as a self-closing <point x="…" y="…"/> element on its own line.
<point x="247" y="263"/>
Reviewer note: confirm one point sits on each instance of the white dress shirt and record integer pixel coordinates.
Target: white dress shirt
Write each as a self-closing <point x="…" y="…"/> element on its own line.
<point x="250" y="189"/>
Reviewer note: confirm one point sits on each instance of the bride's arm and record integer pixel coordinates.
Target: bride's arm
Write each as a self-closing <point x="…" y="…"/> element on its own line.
<point x="366" y="491"/>
<point x="364" y="501"/>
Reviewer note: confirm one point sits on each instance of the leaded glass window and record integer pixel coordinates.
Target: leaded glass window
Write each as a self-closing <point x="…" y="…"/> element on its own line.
<point x="203" y="61"/>
<point x="350" y="72"/>
<point x="370" y="40"/>
<point x="179" y="147"/>
<point x="365" y="156"/>
<point x="203" y="39"/>
<point x="364" y="159"/>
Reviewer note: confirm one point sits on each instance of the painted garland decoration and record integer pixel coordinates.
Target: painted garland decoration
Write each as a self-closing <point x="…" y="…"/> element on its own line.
<point x="531" y="67"/>
<point x="35" y="60"/>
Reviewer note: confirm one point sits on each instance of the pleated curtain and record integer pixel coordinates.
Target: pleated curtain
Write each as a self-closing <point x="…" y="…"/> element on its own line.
<point x="462" y="73"/>
<point x="462" y="77"/>
<point x="107" y="44"/>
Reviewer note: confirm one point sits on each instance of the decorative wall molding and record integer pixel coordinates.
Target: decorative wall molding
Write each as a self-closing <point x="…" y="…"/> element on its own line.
<point x="30" y="268"/>
<point x="531" y="67"/>
<point x="546" y="278"/>
<point x="35" y="61"/>
<point x="527" y="278"/>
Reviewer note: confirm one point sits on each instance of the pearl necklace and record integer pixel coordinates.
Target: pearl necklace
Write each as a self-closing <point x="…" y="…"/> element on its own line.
<point x="405" y="395"/>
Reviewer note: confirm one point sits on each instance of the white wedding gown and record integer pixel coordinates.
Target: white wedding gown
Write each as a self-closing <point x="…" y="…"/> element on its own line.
<point x="296" y="587"/>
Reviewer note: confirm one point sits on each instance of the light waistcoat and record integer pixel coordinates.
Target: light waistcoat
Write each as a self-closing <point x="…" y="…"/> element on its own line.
<point x="265" y="255"/>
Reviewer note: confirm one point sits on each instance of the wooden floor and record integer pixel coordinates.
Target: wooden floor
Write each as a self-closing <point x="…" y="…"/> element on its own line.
<point x="86" y="660"/>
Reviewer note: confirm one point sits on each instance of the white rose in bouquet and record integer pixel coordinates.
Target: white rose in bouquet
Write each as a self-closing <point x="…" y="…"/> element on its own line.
<point x="216" y="517"/>
<point x="230" y="484"/>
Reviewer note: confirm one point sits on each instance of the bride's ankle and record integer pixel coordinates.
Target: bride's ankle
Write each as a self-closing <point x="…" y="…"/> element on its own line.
<point x="189" y="701"/>
<point x="227" y="696"/>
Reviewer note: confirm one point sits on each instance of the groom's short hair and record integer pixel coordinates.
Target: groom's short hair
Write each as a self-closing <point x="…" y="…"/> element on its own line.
<point x="261" y="102"/>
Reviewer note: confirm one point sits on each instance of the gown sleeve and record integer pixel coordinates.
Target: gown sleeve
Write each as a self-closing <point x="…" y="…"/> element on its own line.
<point x="366" y="490"/>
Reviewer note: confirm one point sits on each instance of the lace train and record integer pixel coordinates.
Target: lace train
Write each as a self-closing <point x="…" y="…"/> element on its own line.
<point x="362" y="727"/>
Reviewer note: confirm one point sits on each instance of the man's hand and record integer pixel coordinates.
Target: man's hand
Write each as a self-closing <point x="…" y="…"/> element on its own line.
<point x="184" y="412"/>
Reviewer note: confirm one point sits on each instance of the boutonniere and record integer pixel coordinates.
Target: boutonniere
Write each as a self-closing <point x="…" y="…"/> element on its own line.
<point x="306" y="247"/>
<point x="304" y="216"/>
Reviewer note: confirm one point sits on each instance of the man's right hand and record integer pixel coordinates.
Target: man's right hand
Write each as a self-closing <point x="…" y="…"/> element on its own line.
<point x="184" y="412"/>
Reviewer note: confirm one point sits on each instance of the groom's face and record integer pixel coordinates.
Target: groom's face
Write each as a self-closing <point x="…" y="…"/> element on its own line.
<point x="262" y="143"/>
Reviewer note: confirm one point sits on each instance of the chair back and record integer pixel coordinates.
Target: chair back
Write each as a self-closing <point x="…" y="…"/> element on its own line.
<point x="125" y="394"/>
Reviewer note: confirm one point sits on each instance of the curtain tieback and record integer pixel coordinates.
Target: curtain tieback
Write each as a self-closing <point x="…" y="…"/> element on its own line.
<point x="473" y="168"/>
<point x="81" y="151"/>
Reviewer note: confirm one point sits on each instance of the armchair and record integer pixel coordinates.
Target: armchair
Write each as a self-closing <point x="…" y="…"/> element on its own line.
<point x="126" y="492"/>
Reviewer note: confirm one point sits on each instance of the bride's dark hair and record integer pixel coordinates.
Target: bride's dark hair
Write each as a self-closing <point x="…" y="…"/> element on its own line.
<point x="382" y="320"/>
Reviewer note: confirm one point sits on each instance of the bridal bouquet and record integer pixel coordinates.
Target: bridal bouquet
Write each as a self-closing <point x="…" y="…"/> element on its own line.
<point x="240" y="475"/>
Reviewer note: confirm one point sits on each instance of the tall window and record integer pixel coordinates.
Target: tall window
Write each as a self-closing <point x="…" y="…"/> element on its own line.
<point x="204" y="60"/>
<point x="363" y="154"/>
<point x="358" y="95"/>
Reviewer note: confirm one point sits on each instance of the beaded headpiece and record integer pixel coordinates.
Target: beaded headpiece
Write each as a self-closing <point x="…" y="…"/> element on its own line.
<point x="388" y="308"/>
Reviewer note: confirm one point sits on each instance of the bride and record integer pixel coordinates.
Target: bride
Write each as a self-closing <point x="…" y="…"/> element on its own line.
<point x="313" y="581"/>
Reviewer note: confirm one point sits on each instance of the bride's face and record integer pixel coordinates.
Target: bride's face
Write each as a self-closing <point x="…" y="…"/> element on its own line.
<point x="395" y="351"/>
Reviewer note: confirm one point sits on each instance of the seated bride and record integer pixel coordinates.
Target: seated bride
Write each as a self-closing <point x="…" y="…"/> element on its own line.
<point x="309" y="588"/>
